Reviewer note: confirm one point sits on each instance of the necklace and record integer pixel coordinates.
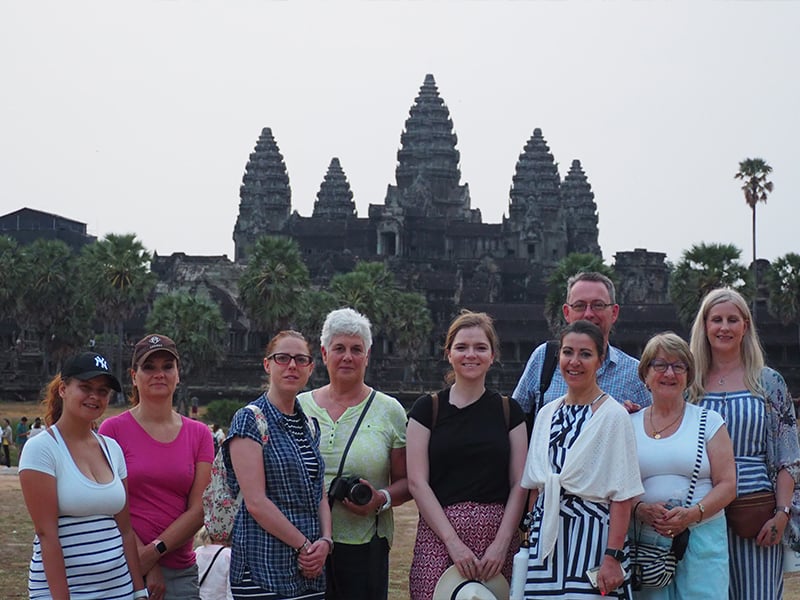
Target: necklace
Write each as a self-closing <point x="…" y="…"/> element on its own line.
<point x="587" y="404"/>
<point x="657" y="432"/>
<point x="721" y="380"/>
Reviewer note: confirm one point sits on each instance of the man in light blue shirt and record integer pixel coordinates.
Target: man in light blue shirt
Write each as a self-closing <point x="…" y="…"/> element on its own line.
<point x="591" y="297"/>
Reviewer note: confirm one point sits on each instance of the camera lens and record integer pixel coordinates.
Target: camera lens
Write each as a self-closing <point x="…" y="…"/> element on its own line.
<point x="360" y="494"/>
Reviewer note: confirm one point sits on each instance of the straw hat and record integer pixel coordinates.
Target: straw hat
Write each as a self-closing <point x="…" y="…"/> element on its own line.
<point x="452" y="586"/>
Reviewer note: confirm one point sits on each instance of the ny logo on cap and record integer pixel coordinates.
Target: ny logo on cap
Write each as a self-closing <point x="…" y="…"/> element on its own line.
<point x="155" y="340"/>
<point x="99" y="361"/>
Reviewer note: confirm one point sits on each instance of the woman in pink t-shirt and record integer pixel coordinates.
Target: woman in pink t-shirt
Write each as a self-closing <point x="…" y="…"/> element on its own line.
<point x="169" y="465"/>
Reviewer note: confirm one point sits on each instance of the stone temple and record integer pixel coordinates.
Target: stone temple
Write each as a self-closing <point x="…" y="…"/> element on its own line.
<point x="426" y="231"/>
<point x="429" y="235"/>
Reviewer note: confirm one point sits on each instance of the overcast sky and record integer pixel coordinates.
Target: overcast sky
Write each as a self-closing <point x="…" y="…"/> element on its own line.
<point x="140" y="116"/>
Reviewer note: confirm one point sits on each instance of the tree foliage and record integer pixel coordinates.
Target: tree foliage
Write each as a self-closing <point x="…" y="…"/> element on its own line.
<point x="702" y="268"/>
<point x="369" y="289"/>
<point x="271" y="287"/>
<point x="10" y="277"/>
<point x="753" y="172"/>
<point x="118" y="278"/>
<point x="756" y="187"/>
<point x="783" y="283"/>
<point x="52" y="302"/>
<point x="196" y="326"/>
<point x="117" y="272"/>
<point x="221" y="412"/>
<point x="557" y="284"/>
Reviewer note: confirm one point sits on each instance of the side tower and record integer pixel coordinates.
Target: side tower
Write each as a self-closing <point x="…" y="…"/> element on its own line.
<point x="537" y="218"/>
<point x="265" y="198"/>
<point x="335" y="198"/>
<point x="581" y="212"/>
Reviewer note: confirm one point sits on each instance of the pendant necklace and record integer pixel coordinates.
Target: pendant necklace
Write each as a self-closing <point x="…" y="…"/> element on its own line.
<point x="657" y="433"/>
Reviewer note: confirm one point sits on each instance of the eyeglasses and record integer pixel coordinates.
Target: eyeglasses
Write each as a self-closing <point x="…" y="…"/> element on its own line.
<point x="679" y="368"/>
<point x="596" y="305"/>
<point x="301" y="360"/>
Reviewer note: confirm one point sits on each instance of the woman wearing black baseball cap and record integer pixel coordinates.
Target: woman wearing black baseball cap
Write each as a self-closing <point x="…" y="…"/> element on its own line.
<point x="74" y="482"/>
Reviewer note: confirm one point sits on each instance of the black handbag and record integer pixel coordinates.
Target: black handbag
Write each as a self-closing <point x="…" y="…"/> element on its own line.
<point x="654" y="566"/>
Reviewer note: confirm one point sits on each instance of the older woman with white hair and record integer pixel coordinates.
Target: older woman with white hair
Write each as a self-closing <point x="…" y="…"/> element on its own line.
<point x="363" y="443"/>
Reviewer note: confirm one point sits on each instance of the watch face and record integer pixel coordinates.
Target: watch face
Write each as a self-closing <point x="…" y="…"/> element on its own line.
<point x="161" y="547"/>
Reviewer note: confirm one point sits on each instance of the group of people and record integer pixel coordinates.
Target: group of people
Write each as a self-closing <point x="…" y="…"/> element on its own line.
<point x="20" y="434"/>
<point x="597" y="450"/>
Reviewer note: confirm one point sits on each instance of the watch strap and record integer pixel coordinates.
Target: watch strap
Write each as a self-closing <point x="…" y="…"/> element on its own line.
<point x="617" y="555"/>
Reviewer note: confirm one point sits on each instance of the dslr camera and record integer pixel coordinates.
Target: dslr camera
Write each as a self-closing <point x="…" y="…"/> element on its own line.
<point x="350" y="488"/>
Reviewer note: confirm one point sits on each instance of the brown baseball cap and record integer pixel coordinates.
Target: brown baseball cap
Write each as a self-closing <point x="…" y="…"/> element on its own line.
<point x="152" y="342"/>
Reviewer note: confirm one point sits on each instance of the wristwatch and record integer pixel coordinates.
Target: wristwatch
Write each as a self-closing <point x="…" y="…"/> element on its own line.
<point x="161" y="547"/>
<point x="617" y="555"/>
<point x="785" y="510"/>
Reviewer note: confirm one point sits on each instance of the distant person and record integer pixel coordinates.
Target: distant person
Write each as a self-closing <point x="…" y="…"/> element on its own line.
<point x="7" y="436"/>
<point x="22" y="433"/>
<point x="36" y="428"/>
<point x="590" y="297"/>
<point x="219" y="436"/>
<point x="75" y="487"/>
<point x="169" y="466"/>
<point x="213" y="567"/>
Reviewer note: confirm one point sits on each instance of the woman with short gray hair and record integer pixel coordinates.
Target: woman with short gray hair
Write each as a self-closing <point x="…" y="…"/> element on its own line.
<point x="363" y="442"/>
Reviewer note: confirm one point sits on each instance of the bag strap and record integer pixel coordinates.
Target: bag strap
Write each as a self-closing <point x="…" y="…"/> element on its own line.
<point x="434" y="409"/>
<point x="261" y="420"/>
<point x="549" y="365"/>
<point x="701" y="444"/>
<point x="211" y="564"/>
<point x="352" y="437"/>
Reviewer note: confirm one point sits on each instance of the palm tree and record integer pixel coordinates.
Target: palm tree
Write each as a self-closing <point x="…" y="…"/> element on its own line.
<point x="370" y="289"/>
<point x="702" y="268"/>
<point x="119" y="280"/>
<point x="195" y="324"/>
<point x="198" y="329"/>
<point x="51" y="299"/>
<point x="10" y="272"/>
<point x="273" y="282"/>
<point x="753" y="172"/>
<point x="783" y="283"/>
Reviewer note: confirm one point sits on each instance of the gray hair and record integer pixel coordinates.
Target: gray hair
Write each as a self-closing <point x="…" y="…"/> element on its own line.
<point x="592" y="276"/>
<point x="346" y="321"/>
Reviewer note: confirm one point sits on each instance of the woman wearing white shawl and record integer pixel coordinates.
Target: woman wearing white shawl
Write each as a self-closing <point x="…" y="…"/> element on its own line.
<point x="583" y="471"/>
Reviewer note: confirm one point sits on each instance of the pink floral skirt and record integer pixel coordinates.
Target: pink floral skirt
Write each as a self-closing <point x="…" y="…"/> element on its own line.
<point x="476" y="526"/>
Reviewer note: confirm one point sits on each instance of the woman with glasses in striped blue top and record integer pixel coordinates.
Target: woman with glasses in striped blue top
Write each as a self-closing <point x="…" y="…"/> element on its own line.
<point x="282" y="534"/>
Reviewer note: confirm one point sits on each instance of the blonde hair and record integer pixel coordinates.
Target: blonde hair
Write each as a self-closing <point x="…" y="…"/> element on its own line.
<point x="751" y="353"/>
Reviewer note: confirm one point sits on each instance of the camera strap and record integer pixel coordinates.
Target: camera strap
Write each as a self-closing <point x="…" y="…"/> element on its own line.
<point x="352" y="437"/>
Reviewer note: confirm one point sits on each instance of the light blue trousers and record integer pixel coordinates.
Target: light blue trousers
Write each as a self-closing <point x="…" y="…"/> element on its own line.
<point x="703" y="572"/>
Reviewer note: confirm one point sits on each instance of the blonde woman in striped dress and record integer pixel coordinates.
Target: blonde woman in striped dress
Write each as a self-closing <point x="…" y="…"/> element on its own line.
<point x="757" y="408"/>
